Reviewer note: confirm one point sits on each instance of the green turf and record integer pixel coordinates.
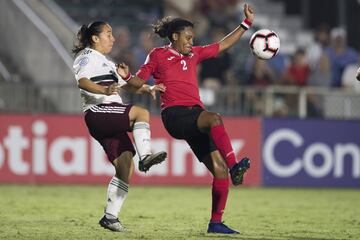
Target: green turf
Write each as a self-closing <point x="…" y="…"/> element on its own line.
<point x="72" y="212"/>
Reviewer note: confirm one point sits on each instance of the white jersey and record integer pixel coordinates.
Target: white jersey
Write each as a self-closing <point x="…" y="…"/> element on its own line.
<point x="93" y="65"/>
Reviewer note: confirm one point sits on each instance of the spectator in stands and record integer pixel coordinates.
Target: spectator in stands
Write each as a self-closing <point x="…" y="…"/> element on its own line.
<point x="320" y="75"/>
<point x="145" y="44"/>
<point x="107" y="118"/>
<point x="340" y="55"/>
<point x="298" y="71"/>
<point x="278" y="65"/>
<point x="188" y="9"/>
<point x="142" y="49"/>
<point x="215" y="71"/>
<point x="262" y="74"/>
<point x="348" y="80"/>
<point x="122" y="51"/>
<point x="315" y="50"/>
<point x="272" y="70"/>
<point x="228" y="8"/>
<point x="296" y="74"/>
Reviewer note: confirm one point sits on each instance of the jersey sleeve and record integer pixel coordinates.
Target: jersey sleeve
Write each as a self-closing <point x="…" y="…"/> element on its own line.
<point x="149" y="66"/>
<point x="207" y="51"/>
<point x="82" y="67"/>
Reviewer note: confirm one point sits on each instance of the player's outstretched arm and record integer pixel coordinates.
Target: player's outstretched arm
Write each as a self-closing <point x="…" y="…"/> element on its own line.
<point x="358" y="74"/>
<point x="235" y="35"/>
<point x="134" y="83"/>
<point x="146" y="89"/>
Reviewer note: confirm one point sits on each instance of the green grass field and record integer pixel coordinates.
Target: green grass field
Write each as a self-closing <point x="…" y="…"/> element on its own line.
<point x="72" y="212"/>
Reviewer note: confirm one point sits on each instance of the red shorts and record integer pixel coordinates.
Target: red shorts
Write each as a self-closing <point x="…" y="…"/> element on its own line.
<point x="109" y="124"/>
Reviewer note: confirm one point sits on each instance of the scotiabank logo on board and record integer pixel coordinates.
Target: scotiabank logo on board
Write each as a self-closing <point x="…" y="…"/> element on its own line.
<point x="58" y="149"/>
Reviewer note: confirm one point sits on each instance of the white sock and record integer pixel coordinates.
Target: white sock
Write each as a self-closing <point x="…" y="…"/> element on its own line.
<point x="116" y="195"/>
<point x="141" y="133"/>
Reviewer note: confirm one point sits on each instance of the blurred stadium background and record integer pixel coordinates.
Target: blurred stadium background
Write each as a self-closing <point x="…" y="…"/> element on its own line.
<point x="297" y="115"/>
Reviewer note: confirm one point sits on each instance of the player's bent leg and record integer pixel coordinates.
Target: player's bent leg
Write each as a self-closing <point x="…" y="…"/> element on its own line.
<point x="207" y="120"/>
<point x="138" y="114"/>
<point x="238" y="170"/>
<point x="212" y="124"/>
<point x="139" y="118"/>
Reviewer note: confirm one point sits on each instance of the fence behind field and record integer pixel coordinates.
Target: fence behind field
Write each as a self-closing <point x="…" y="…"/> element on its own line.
<point x="273" y="101"/>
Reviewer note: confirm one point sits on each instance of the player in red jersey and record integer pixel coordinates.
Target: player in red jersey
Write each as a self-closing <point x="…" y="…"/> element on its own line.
<point x="184" y="115"/>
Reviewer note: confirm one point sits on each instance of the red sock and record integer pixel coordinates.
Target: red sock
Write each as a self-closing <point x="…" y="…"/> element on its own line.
<point x="220" y="190"/>
<point x="222" y="143"/>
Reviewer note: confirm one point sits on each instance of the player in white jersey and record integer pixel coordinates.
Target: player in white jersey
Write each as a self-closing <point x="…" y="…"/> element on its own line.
<point x="108" y="119"/>
<point x="358" y="74"/>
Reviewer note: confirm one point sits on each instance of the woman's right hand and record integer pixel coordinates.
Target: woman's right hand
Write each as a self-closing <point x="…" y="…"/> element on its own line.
<point x="112" y="89"/>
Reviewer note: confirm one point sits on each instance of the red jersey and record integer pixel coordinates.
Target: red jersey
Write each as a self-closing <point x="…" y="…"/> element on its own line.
<point x="177" y="72"/>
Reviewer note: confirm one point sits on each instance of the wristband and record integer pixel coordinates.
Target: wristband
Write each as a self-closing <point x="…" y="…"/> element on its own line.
<point x="128" y="77"/>
<point x="246" y="24"/>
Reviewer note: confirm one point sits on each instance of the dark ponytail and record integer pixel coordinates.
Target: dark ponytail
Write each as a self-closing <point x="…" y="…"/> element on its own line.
<point x="166" y="26"/>
<point x="83" y="37"/>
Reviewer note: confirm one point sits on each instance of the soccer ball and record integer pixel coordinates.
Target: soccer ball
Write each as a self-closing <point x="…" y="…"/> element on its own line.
<point x="264" y="44"/>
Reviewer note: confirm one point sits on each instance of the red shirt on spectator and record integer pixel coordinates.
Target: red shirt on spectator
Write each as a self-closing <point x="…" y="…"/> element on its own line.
<point x="298" y="74"/>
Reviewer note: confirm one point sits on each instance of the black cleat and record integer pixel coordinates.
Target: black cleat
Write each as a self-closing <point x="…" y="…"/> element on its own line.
<point x="150" y="160"/>
<point x="112" y="224"/>
<point x="238" y="170"/>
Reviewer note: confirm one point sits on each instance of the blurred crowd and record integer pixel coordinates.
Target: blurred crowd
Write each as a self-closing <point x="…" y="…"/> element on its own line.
<point x="327" y="62"/>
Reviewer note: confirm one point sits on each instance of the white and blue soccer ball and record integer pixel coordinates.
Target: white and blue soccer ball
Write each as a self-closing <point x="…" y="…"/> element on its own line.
<point x="264" y="44"/>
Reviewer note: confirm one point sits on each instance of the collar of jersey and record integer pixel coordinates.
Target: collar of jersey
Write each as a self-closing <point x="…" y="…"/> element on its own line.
<point x="176" y="52"/>
<point x="173" y="50"/>
<point x="96" y="52"/>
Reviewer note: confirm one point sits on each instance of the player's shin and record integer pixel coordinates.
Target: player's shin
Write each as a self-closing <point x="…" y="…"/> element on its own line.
<point x="116" y="195"/>
<point x="220" y="190"/>
<point x="141" y="133"/>
<point x="223" y="144"/>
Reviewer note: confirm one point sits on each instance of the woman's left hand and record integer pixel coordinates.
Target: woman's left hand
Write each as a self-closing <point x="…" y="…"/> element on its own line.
<point x="157" y="87"/>
<point x="249" y="12"/>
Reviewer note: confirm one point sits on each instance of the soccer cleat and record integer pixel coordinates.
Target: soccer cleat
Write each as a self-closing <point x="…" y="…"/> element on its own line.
<point x="150" y="160"/>
<point x="238" y="170"/>
<point x="112" y="224"/>
<point x="220" y="227"/>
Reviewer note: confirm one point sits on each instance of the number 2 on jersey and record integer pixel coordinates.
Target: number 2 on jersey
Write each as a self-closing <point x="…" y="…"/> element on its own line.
<point x="183" y="63"/>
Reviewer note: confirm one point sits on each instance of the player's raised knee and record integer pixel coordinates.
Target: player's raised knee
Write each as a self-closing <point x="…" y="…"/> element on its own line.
<point x="215" y="119"/>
